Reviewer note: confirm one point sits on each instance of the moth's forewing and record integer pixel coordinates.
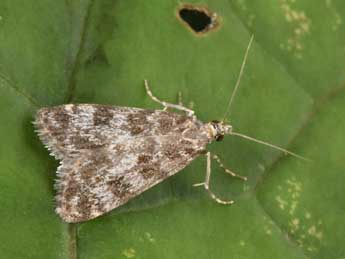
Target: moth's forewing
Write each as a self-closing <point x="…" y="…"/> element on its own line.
<point x="111" y="154"/>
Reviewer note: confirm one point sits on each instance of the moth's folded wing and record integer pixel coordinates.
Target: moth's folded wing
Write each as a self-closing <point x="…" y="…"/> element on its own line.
<point x="101" y="180"/>
<point x="69" y="129"/>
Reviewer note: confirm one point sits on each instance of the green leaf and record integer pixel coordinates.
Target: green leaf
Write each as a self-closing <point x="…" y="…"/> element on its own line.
<point x="291" y="94"/>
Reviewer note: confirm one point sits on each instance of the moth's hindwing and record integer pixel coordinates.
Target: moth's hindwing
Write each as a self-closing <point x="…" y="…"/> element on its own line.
<point x="111" y="154"/>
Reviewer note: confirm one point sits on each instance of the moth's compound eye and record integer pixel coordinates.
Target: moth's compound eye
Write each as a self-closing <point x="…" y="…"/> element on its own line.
<point x="219" y="137"/>
<point x="215" y="121"/>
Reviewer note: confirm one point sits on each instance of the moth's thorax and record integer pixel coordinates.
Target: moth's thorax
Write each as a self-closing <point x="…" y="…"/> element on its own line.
<point x="217" y="130"/>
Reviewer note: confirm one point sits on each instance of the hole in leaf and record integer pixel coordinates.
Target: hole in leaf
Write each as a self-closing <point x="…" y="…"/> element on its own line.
<point x="199" y="19"/>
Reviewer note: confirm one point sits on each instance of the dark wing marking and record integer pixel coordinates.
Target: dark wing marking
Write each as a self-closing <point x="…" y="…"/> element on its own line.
<point x="66" y="130"/>
<point x="102" y="179"/>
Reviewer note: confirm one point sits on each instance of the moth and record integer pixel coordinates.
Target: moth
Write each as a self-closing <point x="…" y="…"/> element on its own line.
<point x="109" y="155"/>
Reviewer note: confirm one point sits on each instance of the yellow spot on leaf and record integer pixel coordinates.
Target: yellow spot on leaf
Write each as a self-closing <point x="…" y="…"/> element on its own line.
<point x="281" y="203"/>
<point x="129" y="252"/>
<point x="337" y="17"/>
<point x="313" y="231"/>
<point x="149" y="237"/>
<point x="300" y="26"/>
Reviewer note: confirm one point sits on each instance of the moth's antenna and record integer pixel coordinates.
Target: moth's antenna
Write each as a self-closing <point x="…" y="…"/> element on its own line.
<point x="227" y="112"/>
<point x="270" y="145"/>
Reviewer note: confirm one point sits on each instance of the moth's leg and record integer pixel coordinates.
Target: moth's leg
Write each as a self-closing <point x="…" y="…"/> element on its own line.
<point x="180" y="102"/>
<point x="165" y="104"/>
<point x="206" y="184"/>
<point x="228" y="171"/>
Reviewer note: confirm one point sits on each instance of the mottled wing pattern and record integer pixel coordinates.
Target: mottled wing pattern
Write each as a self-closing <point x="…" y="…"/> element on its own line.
<point x="111" y="154"/>
<point x="101" y="180"/>
<point x="69" y="129"/>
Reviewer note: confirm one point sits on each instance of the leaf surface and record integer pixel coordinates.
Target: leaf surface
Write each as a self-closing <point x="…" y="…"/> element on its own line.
<point x="291" y="94"/>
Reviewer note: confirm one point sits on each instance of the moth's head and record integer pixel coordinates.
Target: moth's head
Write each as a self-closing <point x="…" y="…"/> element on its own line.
<point x="219" y="129"/>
